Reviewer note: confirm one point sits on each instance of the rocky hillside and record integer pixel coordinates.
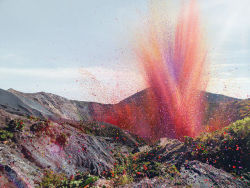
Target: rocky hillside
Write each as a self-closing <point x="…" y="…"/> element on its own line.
<point x="49" y="141"/>
<point x="51" y="106"/>
<point x="129" y="114"/>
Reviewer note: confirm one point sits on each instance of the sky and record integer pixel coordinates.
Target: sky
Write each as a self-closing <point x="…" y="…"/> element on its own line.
<point x="84" y="49"/>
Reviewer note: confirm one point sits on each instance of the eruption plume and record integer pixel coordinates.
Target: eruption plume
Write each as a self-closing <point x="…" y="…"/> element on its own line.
<point x="173" y="64"/>
<point x="174" y="68"/>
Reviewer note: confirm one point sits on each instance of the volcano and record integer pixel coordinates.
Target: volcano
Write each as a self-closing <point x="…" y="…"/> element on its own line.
<point x="129" y="114"/>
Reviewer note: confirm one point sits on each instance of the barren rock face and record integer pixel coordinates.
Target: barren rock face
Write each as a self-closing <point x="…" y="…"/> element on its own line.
<point x="65" y="149"/>
<point x="204" y="175"/>
<point x="16" y="169"/>
<point x="61" y="148"/>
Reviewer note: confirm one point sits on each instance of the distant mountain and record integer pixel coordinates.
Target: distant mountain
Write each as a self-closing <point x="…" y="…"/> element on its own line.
<point x="129" y="114"/>
<point x="136" y="114"/>
<point x="20" y="105"/>
<point x="211" y="97"/>
<point x="53" y="106"/>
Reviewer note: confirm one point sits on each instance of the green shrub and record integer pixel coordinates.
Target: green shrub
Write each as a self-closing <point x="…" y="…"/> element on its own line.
<point x="52" y="180"/>
<point x="123" y="180"/>
<point x="58" y="180"/>
<point x="135" y="167"/>
<point x="5" y="135"/>
<point x="15" y="125"/>
<point x="90" y="180"/>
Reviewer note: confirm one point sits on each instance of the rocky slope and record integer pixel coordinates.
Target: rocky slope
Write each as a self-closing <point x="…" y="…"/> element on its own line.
<point x="129" y="114"/>
<point x="51" y="141"/>
<point x="49" y="105"/>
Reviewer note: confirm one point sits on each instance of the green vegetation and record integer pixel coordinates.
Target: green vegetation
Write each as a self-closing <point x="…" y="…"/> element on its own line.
<point x="7" y="133"/>
<point x="227" y="148"/>
<point x="51" y="179"/>
<point x="241" y="107"/>
<point x="134" y="167"/>
<point x="56" y="180"/>
<point x="16" y="125"/>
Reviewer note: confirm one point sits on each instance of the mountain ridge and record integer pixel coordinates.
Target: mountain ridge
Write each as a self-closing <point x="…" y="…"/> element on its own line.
<point x="54" y="107"/>
<point x="55" y="99"/>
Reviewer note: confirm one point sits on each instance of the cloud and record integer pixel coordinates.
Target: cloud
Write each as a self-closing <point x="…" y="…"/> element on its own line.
<point x="45" y="73"/>
<point x="88" y="84"/>
<point x="224" y="65"/>
<point x="235" y="87"/>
